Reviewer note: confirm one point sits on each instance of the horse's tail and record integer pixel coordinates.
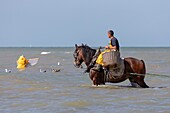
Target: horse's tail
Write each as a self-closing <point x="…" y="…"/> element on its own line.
<point x="144" y="67"/>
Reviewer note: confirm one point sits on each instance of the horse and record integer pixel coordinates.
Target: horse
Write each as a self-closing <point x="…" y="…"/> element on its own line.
<point x="134" y="68"/>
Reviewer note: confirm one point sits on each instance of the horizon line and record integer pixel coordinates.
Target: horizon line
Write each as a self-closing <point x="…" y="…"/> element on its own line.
<point x="73" y="46"/>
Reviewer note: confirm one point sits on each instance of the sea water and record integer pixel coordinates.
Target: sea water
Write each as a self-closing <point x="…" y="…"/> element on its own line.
<point x="71" y="91"/>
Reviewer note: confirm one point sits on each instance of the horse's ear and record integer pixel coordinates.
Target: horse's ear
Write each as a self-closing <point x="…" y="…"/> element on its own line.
<point x="82" y="44"/>
<point x="76" y="45"/>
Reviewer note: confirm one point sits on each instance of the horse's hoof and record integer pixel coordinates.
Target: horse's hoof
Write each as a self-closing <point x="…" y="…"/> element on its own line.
<point x="135" y="85"/>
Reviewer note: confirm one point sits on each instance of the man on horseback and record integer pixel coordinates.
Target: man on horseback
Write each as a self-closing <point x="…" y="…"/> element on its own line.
<point x="113" y="46"/>
<point x="115" y="69"/>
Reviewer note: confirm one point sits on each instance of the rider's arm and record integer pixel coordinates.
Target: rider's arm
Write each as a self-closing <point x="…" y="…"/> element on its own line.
<point x="113" y="47"/>
<point x="110" y="47"/>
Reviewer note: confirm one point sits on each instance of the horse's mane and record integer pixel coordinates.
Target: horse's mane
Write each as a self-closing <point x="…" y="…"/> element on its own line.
<point x="88" y="51"/>
<point x="87" y="48"/>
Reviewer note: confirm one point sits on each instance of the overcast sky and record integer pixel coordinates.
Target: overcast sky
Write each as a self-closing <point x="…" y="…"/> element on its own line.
<point x="66" y="22"/>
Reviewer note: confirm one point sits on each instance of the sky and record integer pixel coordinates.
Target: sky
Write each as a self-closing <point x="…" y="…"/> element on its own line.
<point x="63" y="23"/>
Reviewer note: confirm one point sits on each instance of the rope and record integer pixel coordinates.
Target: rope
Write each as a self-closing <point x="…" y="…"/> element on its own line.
<point x="149" y="74"/>
<point x="152" y="74"/>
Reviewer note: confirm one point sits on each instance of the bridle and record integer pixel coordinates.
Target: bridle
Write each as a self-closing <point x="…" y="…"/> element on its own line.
<point x="78" y="61"/>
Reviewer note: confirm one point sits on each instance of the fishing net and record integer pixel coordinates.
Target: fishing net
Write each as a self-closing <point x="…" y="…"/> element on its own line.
<point x="111" y="58"/>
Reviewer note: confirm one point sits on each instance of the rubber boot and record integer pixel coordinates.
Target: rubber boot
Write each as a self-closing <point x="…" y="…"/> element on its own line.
<point x="98" y="67"/>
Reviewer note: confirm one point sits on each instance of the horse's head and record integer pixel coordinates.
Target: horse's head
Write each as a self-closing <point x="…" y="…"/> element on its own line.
<point x="82" y="54"/>
<point x="78" y="56"/>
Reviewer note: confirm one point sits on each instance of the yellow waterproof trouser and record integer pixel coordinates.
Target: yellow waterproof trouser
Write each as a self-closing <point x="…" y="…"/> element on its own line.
<point x="100" y="57"/>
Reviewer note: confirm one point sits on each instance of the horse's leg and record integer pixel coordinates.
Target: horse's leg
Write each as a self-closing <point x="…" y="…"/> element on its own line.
<point x="98" y="78"/>
<point x="141" y="82"/>
<point x="95" y="81"/>
<point x="138" y="82"/>
<point x="140" y="79"/>
<point x="136" y="66"/>
<point x="133" y="83"/>
<point x="94" y="76"/>
<point x="102" y="78"/>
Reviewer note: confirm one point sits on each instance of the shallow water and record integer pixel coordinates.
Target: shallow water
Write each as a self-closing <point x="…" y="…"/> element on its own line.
<point x="71" y="91"/>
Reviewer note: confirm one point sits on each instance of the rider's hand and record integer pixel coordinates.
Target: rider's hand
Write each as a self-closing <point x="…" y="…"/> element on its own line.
<point x="107" y="47"/>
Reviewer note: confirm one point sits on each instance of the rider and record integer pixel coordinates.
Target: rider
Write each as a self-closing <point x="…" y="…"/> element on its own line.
<point x="113" y="45"/>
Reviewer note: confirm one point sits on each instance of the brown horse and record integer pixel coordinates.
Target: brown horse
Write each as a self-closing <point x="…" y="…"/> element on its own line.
<point x="132" y="66"/>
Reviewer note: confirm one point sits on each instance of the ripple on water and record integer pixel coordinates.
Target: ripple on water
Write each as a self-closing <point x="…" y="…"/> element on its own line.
<point x="107" y="86"/>
<point x="77" y="104"/>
